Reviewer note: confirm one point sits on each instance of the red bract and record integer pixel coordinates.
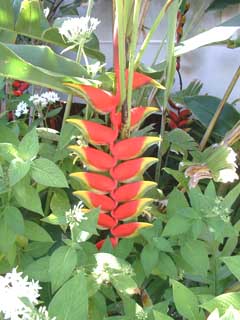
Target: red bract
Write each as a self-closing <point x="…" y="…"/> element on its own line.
<point x="180" y="118"/>
<point x="118" y="193"/>
<point x="19" y="87"/>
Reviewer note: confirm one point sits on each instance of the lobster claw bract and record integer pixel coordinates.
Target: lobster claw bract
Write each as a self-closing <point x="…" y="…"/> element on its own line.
<point x="129" y="230"/>
<point x="131" y="170"/>
<point x="95" y="181"/>
<point x="93" y="200"/>
<point x="94" y="132"/>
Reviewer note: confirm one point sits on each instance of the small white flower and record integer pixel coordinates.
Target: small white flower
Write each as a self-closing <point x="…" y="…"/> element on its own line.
<point x="14" y="288"/>
<point x="50" y="96"/>
<point x="227" y="175"/>
<point x="76" y="215"/>
<point x="44" y="99"/>
<point x="42" y="314"/>
<point x="46" y="12"/>
<point x="78" y="29"/>
<point x="22" y="108"/>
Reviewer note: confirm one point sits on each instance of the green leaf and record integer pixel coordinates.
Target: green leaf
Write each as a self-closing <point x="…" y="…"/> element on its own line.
<point x="175" y="226"/>
<point x="124" y="284"/>
<point x="60" y="203"/>
<point x="232" y="196"/>
<point x="27" y="197"/>
<point x="8" y="151"/>
<point x="223" y="302"/>
<point x="185" y="301"/>
<point x="7" y="236"/>
<point x="195" y="253"/>
<point x="161" y="316"/>
<point x="8" y="135"/>
<point x="17" y="170"/>
<point x="31" y="19"/>
<point x="38" y="270"/>
<point x="14" y="220"/>
<point x="166" y="265"/>
<point x="217" y="35"/>
<point x="204" y="107"/>
<point x="221" y="4"/>
<point x="149" y="258"/>
<point x="29" y="146"/>
<point x="71" y="301"/>
<point x="181" y="142"/>
<point x="233" y="264"/>
<point x="6" y="15"/>
<point x="35" y="232"/>
<point x="62" y="263"/>
<point x="41" y="66"/>
<point x="176" y="200"/>
<point x="47" y="173"/>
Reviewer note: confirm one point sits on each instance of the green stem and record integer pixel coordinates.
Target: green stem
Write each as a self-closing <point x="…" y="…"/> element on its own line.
<point x="70" y="96"/>
<point x="169" y="72"/>
<point x="132" y="49"/>
<point x="219" y="110"/>
<point x="121" y="45"/>
<point x="151" y="32"/>
<point x="89" y="9"/>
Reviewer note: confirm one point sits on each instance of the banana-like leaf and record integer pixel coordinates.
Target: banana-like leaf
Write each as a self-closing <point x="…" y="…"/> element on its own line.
<point x="204" y="107"/>
<point x="41" y="66"/>
<point x="218" y="35"/>
<point x="31" y="22"/>
<point x="222" y="4"/>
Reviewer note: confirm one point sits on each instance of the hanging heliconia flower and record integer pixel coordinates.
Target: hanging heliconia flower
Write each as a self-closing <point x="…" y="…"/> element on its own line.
<point x="113" y="181"/>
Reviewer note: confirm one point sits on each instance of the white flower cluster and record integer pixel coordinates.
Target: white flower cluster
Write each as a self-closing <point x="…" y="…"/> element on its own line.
<point x="14" y="288"/>
<point x="78" y="29"/>
<point x="76" y="215"/>
<point x="44" y="99"/>
<point x="18" y="298"/>
<point x="22" y="108"/>
<point x="229" y="174"/>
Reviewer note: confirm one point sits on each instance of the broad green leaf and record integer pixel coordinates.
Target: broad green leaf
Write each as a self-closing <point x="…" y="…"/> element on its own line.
<point x="166" y="266"/>
<point x="27" y="197"/>
<point x="232" y="196"/>
<point x="37" y="249"/>
<point x="233" y="264"/>
<point x="6" y="15"/>
<point x="185" y="301"/>
<point x="97" y="307"/>
<point x="61" y="266"/>
<point x="223" y="302"/>
<point x="8" y="135"/>
<point x="221" y="4"/>
<point x="47" y="173"/>
<point x="176" y="200"/>
<point x="41" y="66"/>
<point x="179" y="176"/>
<point x="161" y="316"/>
<point x="175" y="226"/>
<point x="216" y="35"/>
<point x="204" y="107"/>
<point x="31" y="19"/>
<point x="38" y="270"/>
<point x="35" y="232"/>
<point x="71" y="301"/>
<point x="149" y="258"/>
<point x="7" y="236"/>
<point x="195" y="253"/>
<point x="8" y="151"/>
<point x="14" y="220"/>
<point x="17" y="170"/>
<point x="60" y="202"/>
<point x="29" y="146"/>
<point x="162" y="244"/>
<point x="124" y="284"/>
<point x="181" y="142"/>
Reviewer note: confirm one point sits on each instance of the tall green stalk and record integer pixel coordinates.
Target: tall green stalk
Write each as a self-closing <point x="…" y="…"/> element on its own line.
<point x="169" y="75"/>
<point x="121" y="46"/>
<point x="132" y="49"/>
<point x="151" y="32"/>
